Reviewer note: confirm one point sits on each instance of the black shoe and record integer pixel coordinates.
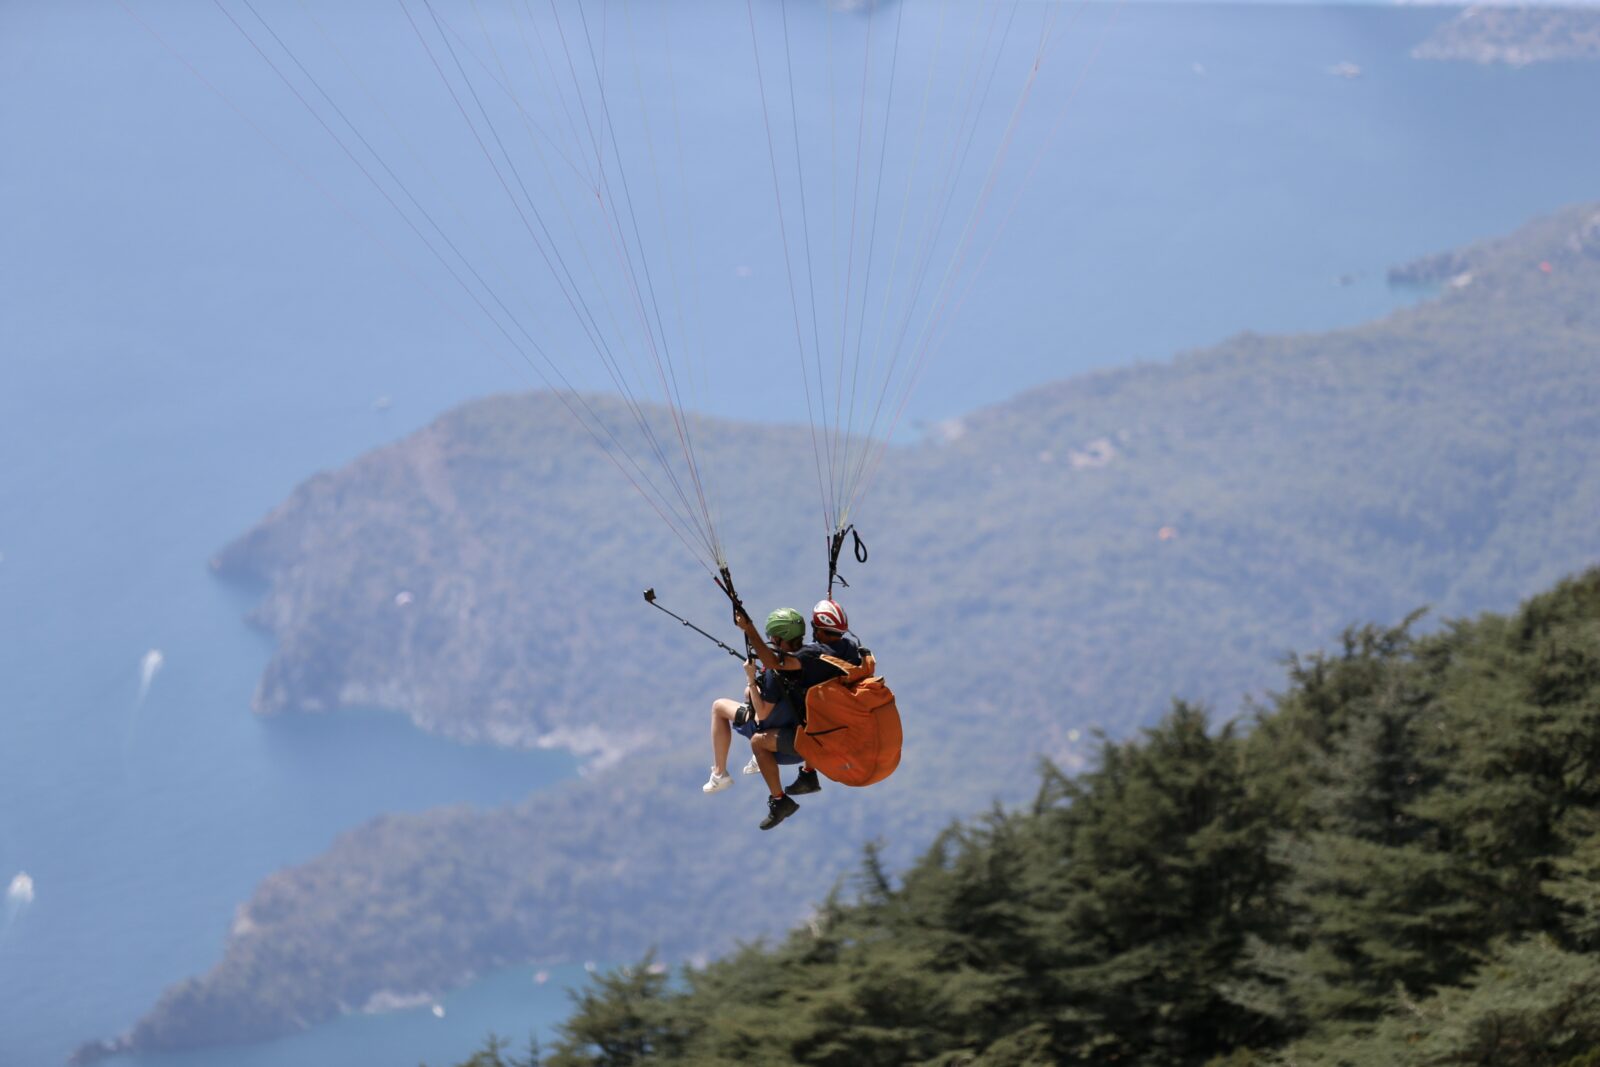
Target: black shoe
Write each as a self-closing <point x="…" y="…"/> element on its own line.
<point x="804" y="782"/>
<point x="778" y="809"/>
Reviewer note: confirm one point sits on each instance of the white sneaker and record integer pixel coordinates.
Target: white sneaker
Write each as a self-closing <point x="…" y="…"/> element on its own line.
<point x="753" y="767"/>
<point x="717" y="782"/>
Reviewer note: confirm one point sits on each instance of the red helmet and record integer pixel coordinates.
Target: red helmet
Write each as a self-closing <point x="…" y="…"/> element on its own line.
<point x="828" y="615"/>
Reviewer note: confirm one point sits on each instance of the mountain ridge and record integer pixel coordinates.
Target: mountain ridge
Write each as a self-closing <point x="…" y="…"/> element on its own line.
<point x="1084" y="541"/>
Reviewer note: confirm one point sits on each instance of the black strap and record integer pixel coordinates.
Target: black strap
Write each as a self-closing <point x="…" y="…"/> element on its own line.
<point x="725" y="583"/>
<point x="835" y="545"/>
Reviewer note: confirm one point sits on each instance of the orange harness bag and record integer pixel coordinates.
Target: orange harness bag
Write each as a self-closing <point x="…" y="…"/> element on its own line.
<point x="851" y="731"/>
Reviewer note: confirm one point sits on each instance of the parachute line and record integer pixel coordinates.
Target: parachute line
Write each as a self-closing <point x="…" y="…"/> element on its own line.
<point x="625" y="301"/>
<point x="783" y="231"/>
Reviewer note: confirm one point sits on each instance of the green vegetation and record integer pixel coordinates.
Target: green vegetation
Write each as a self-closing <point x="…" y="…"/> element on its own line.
<point x="1061" y="562"/>
<point x="1397" y="863"/>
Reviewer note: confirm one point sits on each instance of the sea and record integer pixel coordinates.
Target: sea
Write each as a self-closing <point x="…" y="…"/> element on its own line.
<point x="202" y="304"/>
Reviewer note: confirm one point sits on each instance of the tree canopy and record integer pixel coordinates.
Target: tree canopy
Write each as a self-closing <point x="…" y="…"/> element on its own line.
<point x="1396" y="862"/>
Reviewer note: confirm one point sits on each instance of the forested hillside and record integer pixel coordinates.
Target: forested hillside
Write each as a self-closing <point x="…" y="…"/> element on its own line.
<point x="1270" y="486"/>
<point x="1397" y="862"/>
<point x="1065" y="561"/>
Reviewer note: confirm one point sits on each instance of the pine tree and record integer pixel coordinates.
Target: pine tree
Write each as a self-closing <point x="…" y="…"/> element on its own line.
<point x="1531" y="1004"/>
<point x="623" y="1018"/>
<point x="1400" y="864"/>
<point x="1163" y="866"/>
<point x="1436" y="811"/>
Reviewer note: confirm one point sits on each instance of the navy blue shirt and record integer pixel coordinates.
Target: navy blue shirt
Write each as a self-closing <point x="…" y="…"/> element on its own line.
<point x="770" y="686"/>
<point x="772" y="689"/>
<point x="814" y="670"/>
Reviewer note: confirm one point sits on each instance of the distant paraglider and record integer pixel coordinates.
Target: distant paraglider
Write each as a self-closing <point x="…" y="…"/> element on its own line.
<point x="149" y="665"/>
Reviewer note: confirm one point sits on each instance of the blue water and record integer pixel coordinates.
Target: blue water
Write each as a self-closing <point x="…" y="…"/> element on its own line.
<point x="188" y="329"/>
<point x="513" y="1004"/>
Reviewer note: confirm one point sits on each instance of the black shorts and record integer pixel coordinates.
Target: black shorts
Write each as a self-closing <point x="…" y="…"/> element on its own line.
<point x="781" y="716"/>
<point x="782" y="728"/>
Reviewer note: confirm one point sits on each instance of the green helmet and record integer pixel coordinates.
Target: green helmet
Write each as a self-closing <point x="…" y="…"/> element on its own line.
<point x="786" y="624"/>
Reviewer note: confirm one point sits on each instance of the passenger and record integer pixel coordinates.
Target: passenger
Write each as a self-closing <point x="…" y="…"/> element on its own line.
<point x="798" y="668"/>
<point x="763" y="695"/>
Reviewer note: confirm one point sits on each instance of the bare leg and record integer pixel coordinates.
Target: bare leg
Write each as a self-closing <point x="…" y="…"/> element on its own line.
<point x="760" y="707"/>
<point x="766" y="750"/>
<point x="722" y="732"/>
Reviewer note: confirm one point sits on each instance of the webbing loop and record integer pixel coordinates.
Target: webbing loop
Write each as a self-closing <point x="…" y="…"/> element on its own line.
<point x="835" y="546"/>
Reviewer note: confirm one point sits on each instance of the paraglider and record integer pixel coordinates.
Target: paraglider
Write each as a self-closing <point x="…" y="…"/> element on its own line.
<point x="819" y="704"/>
